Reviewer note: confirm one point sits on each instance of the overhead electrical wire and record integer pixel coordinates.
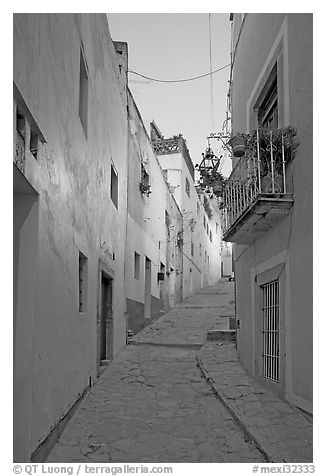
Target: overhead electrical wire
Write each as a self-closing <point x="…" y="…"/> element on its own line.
<point x="179" y="80"/>
<point x="211" y="76"/>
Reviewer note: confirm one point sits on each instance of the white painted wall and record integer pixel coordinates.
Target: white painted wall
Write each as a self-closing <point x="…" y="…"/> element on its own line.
<point x="72" y="178"/>
<point x="289" y="37"/>
<point x="147" y="230"/>
<point x="196" y="271"/>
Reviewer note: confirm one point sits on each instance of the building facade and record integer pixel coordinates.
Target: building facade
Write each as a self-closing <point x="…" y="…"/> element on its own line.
<point x="154" y="256"/>
<point x="103" y="243"/>
<point x="268" y="200"/>
<point x="201" y="233"/>
<point x="70" y="210"/>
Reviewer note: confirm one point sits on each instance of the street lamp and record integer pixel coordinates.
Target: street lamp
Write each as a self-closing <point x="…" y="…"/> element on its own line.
<point x="209" y="161"/>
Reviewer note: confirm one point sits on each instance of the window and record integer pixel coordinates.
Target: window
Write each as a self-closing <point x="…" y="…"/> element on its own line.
<point x="187" y="187"/>
<point x="144" y="185"/>
<point x="20" y="124"/>
<point x="167" y="223"/>
<point x="210" y="236"/>
<point x="268" y="106"/>
<point x="192" y="249"/>
<point x="20" y="140"/>
<point x="33" y="143"/>
<point x="199" y="249"/>
<point x="144" y="176"/>
<point x="204" y="222"/>
<point x="136" y="265"/>
<point x="271" y="331"/>
<point x="83" y="92"/>
<point x="114" y="186"/>
<point x="82" y="267"/>
<point x="207" y="228"/>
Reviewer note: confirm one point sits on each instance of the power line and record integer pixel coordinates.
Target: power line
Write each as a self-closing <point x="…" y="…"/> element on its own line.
<point x="211" y="76"/>
<point x="180" y="80"/>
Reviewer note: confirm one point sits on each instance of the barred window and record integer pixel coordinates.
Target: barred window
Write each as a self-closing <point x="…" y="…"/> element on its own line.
<point x="82" y="268"/>
<point x="271" y="331"/>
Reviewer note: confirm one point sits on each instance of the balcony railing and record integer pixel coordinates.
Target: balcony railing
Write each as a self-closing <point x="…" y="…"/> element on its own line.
<point x="257" y="184"/>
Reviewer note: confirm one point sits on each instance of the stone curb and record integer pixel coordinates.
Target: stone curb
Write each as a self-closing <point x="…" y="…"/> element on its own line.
<point x="220" y="396"/>
<point x="191" y="345"/>
<point x="212" y="370"/>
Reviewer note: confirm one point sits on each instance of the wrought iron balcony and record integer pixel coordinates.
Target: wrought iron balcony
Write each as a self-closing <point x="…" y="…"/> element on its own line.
<point x="255" y="196"/>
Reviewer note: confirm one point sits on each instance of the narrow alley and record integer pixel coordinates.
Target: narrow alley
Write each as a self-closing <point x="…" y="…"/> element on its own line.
<point x="152" y="403"/>
<point x="162" y="238"/>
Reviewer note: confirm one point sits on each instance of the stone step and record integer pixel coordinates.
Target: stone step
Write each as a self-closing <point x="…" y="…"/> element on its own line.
<point x="221" y="335"/>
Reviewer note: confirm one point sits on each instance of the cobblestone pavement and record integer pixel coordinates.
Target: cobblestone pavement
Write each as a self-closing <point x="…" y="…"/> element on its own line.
<point x="152" y="403"/>
<point x="171" y="396"/>
<point x="280" y="430"/>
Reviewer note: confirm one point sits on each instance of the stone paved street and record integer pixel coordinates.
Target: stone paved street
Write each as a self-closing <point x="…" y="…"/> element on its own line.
<point x="280" y="430"/>
<point x="171" y="396"/>
<point x="152" y="403"/>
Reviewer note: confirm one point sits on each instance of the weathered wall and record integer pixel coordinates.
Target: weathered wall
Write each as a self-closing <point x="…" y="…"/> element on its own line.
<point x="72" y="177"/>
<point x="25" y="234"/>
<point x="290" y="241"/>
<point x="197" y="272"/>
<point x="147" y="232"/>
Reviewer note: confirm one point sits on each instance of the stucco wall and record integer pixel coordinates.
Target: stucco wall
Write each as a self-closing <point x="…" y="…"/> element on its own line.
<point x="147" y="232"/>
<point x="72" y="177"/>
<point x="196" y="271"/>
<point x="293" y="235"/>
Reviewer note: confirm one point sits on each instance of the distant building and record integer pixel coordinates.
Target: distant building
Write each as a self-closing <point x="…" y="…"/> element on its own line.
<point x="268" y="200"/>
<point x="154" y="227"/>
<point x="201" y="218"/>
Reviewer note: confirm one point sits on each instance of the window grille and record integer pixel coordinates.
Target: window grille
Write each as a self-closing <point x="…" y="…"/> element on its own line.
<point x="82" y="278"/>
<point x="268" y="109"/>
<point x="271" y="331"/>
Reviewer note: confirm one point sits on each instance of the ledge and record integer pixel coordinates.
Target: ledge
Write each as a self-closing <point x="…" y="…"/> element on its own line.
<point x="265" y="212"/>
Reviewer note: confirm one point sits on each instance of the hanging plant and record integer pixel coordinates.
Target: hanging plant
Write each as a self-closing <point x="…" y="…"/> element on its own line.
<point x="208" y="209"/>
<point x="210" y="178"/>
<point x="144" y="185"/>
<point x="145" y="188"/>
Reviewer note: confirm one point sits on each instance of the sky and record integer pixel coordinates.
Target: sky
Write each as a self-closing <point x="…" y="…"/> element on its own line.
<point x="176" y="46"/>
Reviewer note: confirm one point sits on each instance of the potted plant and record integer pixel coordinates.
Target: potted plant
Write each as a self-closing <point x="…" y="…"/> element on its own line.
<point x="144" y="188"/>
<point x="267" y="139"/>
<point x="238" y="144"/>
<point x="278" y="140"/>
<point x="144" y="185"/>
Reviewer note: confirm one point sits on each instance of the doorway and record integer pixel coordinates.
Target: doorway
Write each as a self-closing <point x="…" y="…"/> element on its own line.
<point x="148" y="286"/>
<point x="25" y="248"/>
<point x="106" y="320"/>
<point x="162" y="289"/>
